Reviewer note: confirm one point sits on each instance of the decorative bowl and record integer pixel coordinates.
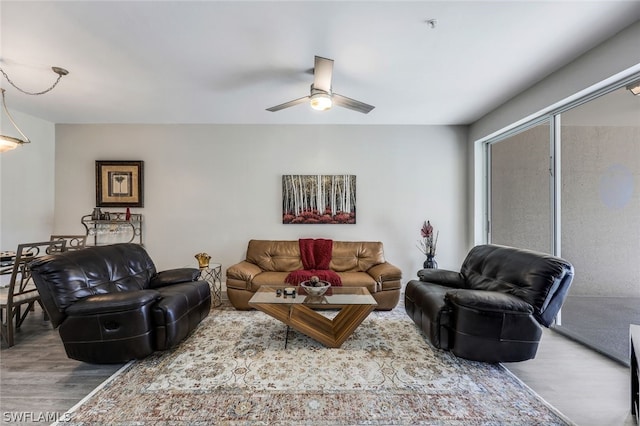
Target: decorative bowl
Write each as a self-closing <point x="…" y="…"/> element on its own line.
<point x="317" y="290"/>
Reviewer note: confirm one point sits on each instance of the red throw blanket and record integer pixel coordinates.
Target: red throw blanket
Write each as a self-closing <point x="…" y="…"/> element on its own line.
<point x="316" y="256"/>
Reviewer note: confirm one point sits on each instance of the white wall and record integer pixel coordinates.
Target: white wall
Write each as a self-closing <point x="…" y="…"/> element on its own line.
<point x="619" y="55"/>
<point x="611" y="61"/>
<point x="27" y="183"/>
<point x="213" y="187"/>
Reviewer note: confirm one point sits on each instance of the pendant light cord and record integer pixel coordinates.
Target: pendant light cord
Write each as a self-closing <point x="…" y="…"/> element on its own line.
<point x="60" y="71"/>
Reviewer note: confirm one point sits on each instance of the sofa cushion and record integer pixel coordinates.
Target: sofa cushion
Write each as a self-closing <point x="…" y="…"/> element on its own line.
<point x="268" y="278"/>
<point x="358" y="279"/>
<point x="356" y="256"/>
<point x="270" y="255"/>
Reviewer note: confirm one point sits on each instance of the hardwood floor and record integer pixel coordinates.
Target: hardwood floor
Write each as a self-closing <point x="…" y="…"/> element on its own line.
<point x="37" y="379"/>
<point x="586" y="386"/>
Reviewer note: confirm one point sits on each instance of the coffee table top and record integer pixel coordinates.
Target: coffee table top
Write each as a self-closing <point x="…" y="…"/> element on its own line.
<point x="333" y="296"/>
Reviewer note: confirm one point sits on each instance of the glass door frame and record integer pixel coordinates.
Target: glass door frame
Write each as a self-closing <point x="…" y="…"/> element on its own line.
<point x="482" y="214"/>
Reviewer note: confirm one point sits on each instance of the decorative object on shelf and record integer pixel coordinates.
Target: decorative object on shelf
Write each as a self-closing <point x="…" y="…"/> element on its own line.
<point x="427" y="245"/>
<point x="127" y="215"/>
<point x="203" y="260"/>
<point x="119" y="183"/>
<point x="8" y="143"/>
<point x="97" y="213"/>
<point x="319" y="199"/>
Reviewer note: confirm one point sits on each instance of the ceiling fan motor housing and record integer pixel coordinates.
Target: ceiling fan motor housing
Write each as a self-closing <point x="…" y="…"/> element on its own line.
<point x="320" y="99"/>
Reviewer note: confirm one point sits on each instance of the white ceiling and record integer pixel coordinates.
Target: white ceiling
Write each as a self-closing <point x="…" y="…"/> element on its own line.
<point x="225" y="62"/>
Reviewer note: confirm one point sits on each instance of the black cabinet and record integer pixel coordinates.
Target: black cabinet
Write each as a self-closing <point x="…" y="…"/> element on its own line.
<point x="634" y="337"/>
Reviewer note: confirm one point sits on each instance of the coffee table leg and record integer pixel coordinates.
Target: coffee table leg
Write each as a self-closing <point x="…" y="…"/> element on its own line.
<point x="286" y="337"/>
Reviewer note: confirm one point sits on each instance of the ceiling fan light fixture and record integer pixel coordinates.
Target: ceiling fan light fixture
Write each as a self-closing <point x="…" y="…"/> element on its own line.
<point x="321" y="101"/>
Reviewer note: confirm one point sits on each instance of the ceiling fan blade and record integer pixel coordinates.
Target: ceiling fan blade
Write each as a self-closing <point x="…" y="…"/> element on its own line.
<point x="322" y="74"/>
<point x="345" y="102"/>
<point x="288" y="104"/>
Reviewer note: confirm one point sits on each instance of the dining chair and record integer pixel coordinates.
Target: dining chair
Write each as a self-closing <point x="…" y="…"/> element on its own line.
<point x="21" y="290"/>
<point x="74" y="242"/>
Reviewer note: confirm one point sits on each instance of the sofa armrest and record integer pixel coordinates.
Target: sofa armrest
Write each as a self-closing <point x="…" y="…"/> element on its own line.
<point x="442" y="277"/>
<point x="243" y="271"/>
<point x="112" y="302"/>
<point x="492" y="301"/>
<point x="174" y="276"/>
<point x="385" y="272"/>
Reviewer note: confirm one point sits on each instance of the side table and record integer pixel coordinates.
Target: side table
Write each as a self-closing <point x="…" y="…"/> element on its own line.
<point x="213" y="274"/>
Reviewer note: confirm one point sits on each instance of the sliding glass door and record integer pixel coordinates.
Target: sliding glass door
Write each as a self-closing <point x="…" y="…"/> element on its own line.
<point x="601" y="220"/>
<point x="520" y="205"/>
<point x="584" y="207"/>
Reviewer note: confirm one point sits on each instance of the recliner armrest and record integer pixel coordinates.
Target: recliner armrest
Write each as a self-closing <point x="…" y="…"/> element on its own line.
<point x="493" y="301"/>
<point x="174" y="276"/>
<point x="112" y="302"/>
<point x="442" y="277"/>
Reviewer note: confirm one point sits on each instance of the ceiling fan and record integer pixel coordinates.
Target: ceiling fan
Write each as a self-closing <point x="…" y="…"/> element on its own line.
<point x="322" y="97"/>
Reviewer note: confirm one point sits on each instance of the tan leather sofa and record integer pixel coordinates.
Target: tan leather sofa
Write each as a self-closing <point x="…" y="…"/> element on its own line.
<point x="358" y="263"/>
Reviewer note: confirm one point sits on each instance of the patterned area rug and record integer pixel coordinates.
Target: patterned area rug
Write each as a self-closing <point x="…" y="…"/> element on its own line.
<point x="246" y="368"/>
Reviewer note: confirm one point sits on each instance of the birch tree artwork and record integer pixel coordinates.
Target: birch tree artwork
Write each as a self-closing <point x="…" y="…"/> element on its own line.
<point x="319" y="199"/>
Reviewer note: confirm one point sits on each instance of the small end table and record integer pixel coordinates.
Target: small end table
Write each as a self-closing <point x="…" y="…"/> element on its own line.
<point x="213" y="274"/>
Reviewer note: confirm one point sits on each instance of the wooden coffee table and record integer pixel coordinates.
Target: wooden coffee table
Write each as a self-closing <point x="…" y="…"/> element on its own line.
<point x="354" y="305"/>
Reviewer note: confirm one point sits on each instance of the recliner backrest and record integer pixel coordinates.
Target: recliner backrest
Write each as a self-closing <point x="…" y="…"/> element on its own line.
<point x="63" y="279"/>
<point x="540" y="279"/>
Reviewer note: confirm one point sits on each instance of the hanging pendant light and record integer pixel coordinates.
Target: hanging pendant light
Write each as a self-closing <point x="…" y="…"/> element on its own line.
<point x="8" y="143"/>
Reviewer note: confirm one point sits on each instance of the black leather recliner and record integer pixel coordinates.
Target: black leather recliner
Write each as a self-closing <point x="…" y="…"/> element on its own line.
<point x="112" y="306"/>
<point x="493" y="309"/>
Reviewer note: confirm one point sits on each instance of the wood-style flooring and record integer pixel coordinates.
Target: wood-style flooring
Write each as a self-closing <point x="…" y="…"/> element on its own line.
<point x="587" y="387"/>
<point x="38" y="379"/>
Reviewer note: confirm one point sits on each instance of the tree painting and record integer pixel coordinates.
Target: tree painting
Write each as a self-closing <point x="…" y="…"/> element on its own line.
<point x="319" y="199"/>
<point x="119" y="184"/>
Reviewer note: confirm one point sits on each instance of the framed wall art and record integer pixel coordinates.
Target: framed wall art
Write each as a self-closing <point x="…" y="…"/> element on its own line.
<point x="119" y="183"/>
<point x="319" y="199"/>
